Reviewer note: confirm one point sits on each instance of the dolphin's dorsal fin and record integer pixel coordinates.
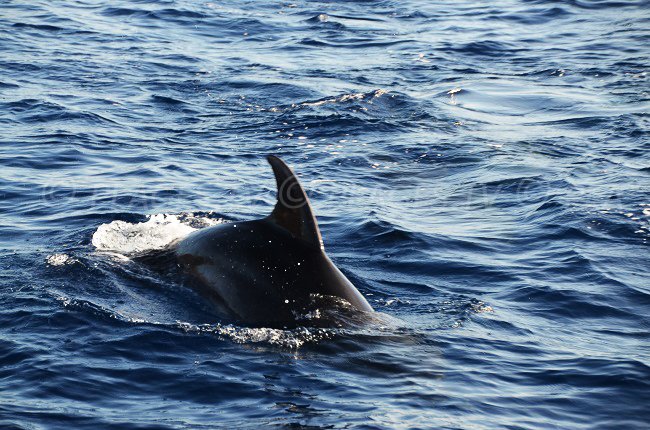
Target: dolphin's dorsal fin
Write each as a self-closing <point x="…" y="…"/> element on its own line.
<point x="292" y="211"/>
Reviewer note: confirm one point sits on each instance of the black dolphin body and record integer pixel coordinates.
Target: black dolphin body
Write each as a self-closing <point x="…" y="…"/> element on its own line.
<point x="271" y="271"/>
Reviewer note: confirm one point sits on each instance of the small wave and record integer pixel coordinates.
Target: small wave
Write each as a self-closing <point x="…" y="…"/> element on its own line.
<point x="375" y="108"/>
<point x="346" y="98"/>
<point x="166" y="100"/>
<point x="170" y="14"/>
<point x="39" y="111"/>
<point x="324" y="20"/>
<point x="602" y="4"/>
<point x="534" y="16"/>
<point x="620" y="222"/>
<point x="158" y="232"/>
<point x="7" y="85"/>
<point x="44" y="27"/>
<point x="318" y="18"/>
<point x="486" y="48"/>
<point x="354" y="43"/>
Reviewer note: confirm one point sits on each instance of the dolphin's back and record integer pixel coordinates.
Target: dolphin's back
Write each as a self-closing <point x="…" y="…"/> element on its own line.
<point x="260" y="274"/>
<point x="269" y="270"/>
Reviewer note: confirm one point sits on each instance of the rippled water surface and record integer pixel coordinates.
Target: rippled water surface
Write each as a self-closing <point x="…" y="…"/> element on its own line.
<point x="480" y="171"/>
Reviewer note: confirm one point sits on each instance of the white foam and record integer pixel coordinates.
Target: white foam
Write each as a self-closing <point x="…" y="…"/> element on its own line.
<point x="292" y="339"/>
<point x="158" y="232"/>
<point x="60" y="260"/>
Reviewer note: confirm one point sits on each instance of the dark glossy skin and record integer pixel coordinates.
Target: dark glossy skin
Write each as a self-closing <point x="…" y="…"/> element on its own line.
<point x="260" y="274"/>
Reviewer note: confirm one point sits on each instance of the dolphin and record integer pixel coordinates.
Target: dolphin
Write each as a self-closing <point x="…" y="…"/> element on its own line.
<point x="272" y="271"/>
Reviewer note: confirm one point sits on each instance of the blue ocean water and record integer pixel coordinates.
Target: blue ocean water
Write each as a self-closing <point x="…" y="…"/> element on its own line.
<point x="480" y="171"/>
